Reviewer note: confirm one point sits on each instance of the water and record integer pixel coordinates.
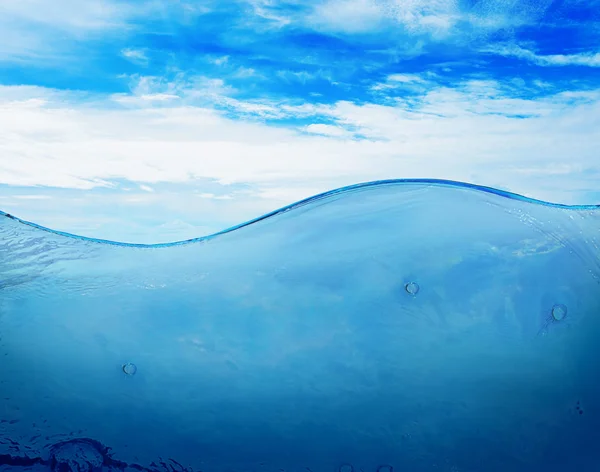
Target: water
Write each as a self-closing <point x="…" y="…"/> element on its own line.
<point x="396" y="326"/>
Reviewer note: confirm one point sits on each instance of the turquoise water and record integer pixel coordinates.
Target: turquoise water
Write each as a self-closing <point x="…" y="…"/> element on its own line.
<point x="391" y="326"/>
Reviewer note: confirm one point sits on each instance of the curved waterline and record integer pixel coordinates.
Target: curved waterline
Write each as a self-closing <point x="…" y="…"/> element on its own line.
<point x="383" y="326"/>
<point x="314" y="198"/>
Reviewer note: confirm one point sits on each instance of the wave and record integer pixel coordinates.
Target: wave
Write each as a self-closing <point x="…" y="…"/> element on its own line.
<point x="397" y="325"/>
<point x="325" y="195"/>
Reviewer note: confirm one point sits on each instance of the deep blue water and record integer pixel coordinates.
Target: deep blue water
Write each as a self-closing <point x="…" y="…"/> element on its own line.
<point x="395" y="326"/>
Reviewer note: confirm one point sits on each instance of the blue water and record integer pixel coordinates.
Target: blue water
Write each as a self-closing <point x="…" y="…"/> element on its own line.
<point x="392" y="326"/>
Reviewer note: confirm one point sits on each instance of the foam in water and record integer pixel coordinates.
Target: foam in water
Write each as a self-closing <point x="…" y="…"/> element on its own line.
<point x="392" y="326"/>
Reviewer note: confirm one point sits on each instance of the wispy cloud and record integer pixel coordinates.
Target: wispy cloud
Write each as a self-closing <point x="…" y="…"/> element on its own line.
<point x="34" y="30"/>
<point x="250" y="104"/>
<point x="588" y="59"/>
<point x="404" y="78"/>
<point x="89" y="15"/>
<point x="31" y="197"/>
<point x="349" y="16"/>
<point x="328" y="130"/>
<point x="136" y="56"/>
<point x="438" y="19"/>
<point x="269" y="10"/>
<point x="177" y="144"/>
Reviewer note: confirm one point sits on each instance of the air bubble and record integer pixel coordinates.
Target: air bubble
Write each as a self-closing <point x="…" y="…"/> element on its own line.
<point x="559" y="312"/>
<point x="129" y="368"/>
<point x="346" y="468"/>
<point x="412" y="288"/>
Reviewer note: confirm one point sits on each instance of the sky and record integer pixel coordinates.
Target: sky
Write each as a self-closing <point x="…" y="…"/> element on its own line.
<point x="152" y="121"/>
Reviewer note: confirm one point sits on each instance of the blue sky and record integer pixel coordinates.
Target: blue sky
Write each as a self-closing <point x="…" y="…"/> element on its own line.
<point x="152" y="121"/>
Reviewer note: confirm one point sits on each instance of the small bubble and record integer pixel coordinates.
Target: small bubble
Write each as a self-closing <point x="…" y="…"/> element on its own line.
<point x="559" y="312"/>
<point x="346" y="468"/>
<point x="412" y="288"/>
<point x="129" y="368"/>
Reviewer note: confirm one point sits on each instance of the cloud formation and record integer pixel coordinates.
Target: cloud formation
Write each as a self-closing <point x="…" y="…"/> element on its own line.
<point x="253" y="104"/>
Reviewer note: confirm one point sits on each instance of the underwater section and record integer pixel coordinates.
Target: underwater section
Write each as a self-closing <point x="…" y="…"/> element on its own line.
<point x="386" y="327"/>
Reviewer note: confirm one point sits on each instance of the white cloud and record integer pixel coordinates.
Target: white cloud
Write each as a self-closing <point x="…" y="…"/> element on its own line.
<point x="589" y="59"/>
<point x="327" y="130"/>
<point x="450" y="133"/>
<point x="31" y="197"/>
<point x="437" y="19"/>
<point x="53" y="28"/>
<point x="212" y="196"/>
<point x="159" y="97"/>
<point x="266" y="9"/>
<point x="349" y="16"/>
<point x="137" y="56"/>
<point x="244" y="72"/>
<point x="139" y="100"/>
<point x="51" y="25"/>
<point x="88" y="15"/>
<point x="434" y="16"/>
<point x="405" y="81"/>
<point x="296" y="76"/>
<point x="404" y="78"/>
<point x="220" y="60"/>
